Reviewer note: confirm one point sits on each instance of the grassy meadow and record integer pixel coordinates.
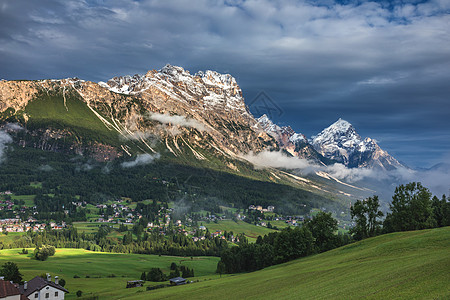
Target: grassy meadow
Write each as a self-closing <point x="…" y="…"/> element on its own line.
<point x="107" y="272"/>
<point x="407" y="265"/>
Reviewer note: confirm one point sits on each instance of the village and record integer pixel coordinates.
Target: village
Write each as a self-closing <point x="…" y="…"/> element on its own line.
<point x="24" y="217"/>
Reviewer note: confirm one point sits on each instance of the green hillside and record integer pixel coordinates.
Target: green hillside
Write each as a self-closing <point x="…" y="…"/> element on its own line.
<point x="407" y="265"/>
<point x="67" y="111"/>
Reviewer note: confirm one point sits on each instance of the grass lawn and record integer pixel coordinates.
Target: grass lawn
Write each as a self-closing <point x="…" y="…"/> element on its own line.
<point x="98" y="266"/>
<point x="407" y="265"/>
<point x="249" y="230"/>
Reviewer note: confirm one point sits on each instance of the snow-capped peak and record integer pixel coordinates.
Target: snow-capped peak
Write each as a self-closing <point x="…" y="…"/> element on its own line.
<point x="341" y="142"/>
<point x="340" y="132"/>
<point x="209" y="89"/>
<point x="215" y="78"/>
<point x="176" y="73"/>
<point x="340" y="125"/>
<point x="267" y="125"/>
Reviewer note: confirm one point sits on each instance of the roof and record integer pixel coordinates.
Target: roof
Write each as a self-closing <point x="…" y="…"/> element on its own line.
<point x="177" y="279"/>
<point x="8" y="289"/>
<point x="135" y="281"/>
<point x="38" y="283"/>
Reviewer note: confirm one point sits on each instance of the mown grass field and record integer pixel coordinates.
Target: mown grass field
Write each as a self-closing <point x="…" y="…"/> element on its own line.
<point x="249" y="230"/>
<point x="99" y="267"/>
<point x="408" y="265"/>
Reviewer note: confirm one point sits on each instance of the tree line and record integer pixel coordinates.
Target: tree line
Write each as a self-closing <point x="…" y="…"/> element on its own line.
<point x="412" y="208"/>
<point x="317" y="235"/>
<point x="170" y="243"/>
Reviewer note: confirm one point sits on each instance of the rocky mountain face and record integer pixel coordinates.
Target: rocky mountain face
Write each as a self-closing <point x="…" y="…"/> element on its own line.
<point x="185" y="115"/>
<point x="214" y="114"/>
<point x="341" y="143"/>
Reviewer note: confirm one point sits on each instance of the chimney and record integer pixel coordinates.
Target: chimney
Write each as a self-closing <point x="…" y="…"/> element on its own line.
<point x="25" y="285"/>
<point x="56" y="280"/>
<point x="49" y="278"/>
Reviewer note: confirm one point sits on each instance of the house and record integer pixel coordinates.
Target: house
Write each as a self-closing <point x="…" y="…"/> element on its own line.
<point x="38" y="288"/>
<point x="8" y="291"/>
<point x="135" y="283"/>
<point x="177" y="281"/>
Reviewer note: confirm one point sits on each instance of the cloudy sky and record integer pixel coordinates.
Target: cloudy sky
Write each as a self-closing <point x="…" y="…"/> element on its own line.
<point x="384" y="66"/>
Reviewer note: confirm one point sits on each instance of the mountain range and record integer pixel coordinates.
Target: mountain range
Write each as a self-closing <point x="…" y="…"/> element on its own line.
<point x="199" y="120"/>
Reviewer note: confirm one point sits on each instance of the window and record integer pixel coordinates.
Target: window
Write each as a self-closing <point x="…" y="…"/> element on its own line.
<point x="56" y="294"/>
<point x="36" y="295"/>
<point x="47" y="295"/>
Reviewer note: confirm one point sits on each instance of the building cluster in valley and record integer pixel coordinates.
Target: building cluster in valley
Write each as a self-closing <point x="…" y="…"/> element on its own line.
<point x="18" y="225"/>
<point x="269" y="208"/>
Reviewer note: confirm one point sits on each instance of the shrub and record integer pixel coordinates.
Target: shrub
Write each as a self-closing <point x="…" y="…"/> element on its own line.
<point x="44" y="252"/>
<point x="62" y="282"/>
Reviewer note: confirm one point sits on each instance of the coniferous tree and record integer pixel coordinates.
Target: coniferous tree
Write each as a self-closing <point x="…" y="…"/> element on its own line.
<point x="10" y="272"/>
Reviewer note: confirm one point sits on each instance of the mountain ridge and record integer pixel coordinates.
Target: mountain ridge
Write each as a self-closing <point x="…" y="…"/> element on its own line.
<point x="199" y="119"/>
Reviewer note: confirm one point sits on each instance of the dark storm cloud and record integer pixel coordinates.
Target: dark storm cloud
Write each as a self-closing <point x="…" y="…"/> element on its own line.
<point x="382" y="65"/>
